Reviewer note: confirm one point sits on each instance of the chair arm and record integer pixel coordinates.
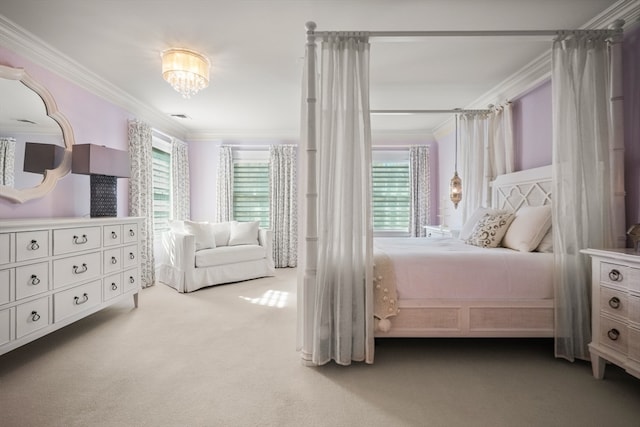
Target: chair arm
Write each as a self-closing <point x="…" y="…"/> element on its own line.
<point x="179" y="250"/>
<point x="265" y="239"/>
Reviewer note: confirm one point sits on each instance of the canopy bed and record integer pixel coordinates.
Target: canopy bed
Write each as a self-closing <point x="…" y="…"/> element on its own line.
<point x="336" y="297"/>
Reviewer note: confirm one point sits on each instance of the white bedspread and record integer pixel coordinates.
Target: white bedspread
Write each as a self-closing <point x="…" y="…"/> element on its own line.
<point x="427" y="268"/>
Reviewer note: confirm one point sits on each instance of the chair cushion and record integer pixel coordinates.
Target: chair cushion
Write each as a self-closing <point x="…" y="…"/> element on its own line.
<point x="244" y="233"/>
<point x="229" y="255"/>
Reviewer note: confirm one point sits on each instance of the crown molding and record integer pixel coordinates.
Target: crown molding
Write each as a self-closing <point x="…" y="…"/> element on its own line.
<point x="25" y="44"/>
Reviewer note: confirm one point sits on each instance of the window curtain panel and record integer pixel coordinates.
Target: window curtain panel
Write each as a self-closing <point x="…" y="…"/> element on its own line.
<point x="420" y="190"/>
<point x="141" y="194"/>
<point x="7" y="161"/>
<point x="501" y="158"/>
<point x="336" y="305"/>
<point x="584" y="144"/>
<point x="283" y="204"/>
<point x="224" y="186"/>
<point x="180" y="186"/>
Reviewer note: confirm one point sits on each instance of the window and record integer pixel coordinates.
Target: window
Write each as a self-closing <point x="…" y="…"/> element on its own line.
<point x="251" y="187"/>
<point x="161" y="179"/>
<point x="391" y="198"/>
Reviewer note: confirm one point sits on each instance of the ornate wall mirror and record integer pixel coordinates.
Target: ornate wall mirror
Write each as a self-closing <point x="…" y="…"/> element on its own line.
<point x="35" y="138"/>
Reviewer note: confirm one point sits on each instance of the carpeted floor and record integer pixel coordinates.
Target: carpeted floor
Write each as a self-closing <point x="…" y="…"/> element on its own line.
<point x="225" y="356"/>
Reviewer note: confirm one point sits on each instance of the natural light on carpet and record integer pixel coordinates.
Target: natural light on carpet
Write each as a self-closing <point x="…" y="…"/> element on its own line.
<point x="270" y="299"/>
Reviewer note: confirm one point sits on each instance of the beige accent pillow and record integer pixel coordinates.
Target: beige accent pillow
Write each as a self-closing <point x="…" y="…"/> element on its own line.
<point x="244" y="233"/>
<point x="470" y="223"/>
<point x="205" y="236"/>
<point x="546" y="244"/>
<point x="490" y="229"/>
<point x="528" y="228"/>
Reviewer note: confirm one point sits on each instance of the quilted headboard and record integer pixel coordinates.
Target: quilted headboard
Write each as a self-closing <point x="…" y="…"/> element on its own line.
<point x="530" y="187"/>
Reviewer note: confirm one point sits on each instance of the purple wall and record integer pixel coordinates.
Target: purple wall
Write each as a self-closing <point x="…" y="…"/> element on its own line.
<point x="93" y="120"/>
<point x="631" y="79"/>
<point x="532" y="128"/>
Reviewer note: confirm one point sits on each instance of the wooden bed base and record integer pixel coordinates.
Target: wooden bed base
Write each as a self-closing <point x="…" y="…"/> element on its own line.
<point x="484" y="318"/>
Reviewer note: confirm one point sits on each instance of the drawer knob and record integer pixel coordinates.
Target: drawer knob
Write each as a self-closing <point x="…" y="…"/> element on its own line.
<point x="114" y="235"/>
<point x="35" y="280"/>
<point x="33" y="245"/>
<point x="78" y="301"/>
<point x="131" y="255"/>
<point x="613" y="334"/>
<point x="615" y="275"/>
<point x="80" y="240"/>
<point x="35" y="316"/>
<point x="114" y="287"/>
<point x="132" y="233"/>
<point x="614" y="302"/>
<point x="77" y="270"/>
<point x="132" y="280"/>
<point x="114" y="260"/>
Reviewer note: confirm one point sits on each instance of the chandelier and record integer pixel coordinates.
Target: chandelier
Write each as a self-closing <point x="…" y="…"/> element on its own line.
<point x="185" y="70"/>
<point x="455" y="186"/>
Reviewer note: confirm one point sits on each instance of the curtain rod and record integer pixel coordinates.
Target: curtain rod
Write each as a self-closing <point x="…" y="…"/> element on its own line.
<point x="455" y="110"/>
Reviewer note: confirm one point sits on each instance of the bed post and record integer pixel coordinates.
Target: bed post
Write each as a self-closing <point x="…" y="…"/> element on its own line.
<point x="311" y="229"/>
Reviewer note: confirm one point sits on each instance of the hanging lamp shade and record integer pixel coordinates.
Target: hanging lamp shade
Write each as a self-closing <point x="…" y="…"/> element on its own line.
<point x="185" y="70"/>
<point x="455" y="185"/>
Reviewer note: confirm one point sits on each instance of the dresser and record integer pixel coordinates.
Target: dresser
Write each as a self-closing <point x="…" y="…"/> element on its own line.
<point x="615" y="310"/>
<point x="56" y="271"/>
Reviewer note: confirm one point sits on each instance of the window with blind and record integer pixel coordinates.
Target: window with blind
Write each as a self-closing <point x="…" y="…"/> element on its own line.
<point x="251" y="191"/>
<point x="161" y="189"/>
<point x="391" y="198"/>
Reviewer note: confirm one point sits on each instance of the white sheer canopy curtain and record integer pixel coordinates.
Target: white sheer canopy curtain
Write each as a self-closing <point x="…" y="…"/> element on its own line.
<point x="180" y="188"/>
<point x="337" y="304"/>
<point x="224" y="185"/>
<point x="420" y="189"/>
<point x="584" y="203"/>
<point x="284" y="204"/>
<point x="141" y="194"/>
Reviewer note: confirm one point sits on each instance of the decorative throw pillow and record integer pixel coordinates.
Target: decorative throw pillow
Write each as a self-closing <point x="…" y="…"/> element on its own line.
<point x="489" y="230"/>
<point x="222" y="231"/>
<point x="546" y="244"/>
<point x="471" y="222"/>
<point x="244" y="233"/>
<point x="528" y="228"/>
<point x="176" y="226"/>
<point x="203" y="231"/>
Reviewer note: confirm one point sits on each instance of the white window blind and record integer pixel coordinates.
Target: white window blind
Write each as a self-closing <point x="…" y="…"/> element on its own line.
<point x="391" y="197"/>
<point x="251" y="191"/>
<point x="161" y="189"/>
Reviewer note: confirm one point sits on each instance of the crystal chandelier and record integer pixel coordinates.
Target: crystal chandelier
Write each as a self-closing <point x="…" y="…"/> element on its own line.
<point x="185" y="70"/>
<point x="455" y="186"/>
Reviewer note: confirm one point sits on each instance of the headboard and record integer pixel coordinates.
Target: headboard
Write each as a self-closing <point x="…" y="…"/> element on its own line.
<point x="530" y="187"/>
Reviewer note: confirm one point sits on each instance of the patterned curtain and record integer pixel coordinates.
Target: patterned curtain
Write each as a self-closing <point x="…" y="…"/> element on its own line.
<point x="141" y="193"/>
<point x="181" y="203"/>
<point x="420" y="190"/>
<point x="283" y="204"/>
<point x="224" y="196"/>
<point x="7" y="161"/>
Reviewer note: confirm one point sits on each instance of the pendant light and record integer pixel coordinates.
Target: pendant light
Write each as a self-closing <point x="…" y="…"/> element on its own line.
<point x="455" y="186"/>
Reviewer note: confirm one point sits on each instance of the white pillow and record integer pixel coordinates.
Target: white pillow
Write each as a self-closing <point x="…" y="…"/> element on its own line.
<point x="205" y="236"/>
<point x="546" y="244"/>
<point x="471" y="222"/>
<point x="528" y="228"/>
<point x="176" y="226"/>
<point x="244" y="233"/>
<point x="490" y="229"/>
<point x="222" y="231"/>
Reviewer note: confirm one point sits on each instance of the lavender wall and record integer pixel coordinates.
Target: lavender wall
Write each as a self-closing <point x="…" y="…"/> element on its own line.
<point x="532" y="128"/>
<point x="93" y="120"/>
<point x="631" y="79"/>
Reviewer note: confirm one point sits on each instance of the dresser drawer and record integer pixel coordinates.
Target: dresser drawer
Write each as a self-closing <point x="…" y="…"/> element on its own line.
<point x="634" y="344"/>
<point x="5" y="248"/>
<point x="112" y="235"/>
<point x="634" y="279"/>
<point x="6" y="283"/>
<point x="31" y="316"/>
<point x="634" y="309"/>
<point x="76" y="300"/>
<point x="69" y="240"/>
<point x="112" y="260"/>
<point x="130" y="256"/>
<point x="32" y="245"/>
<point x="613" y="301"/>
<point x="5" y="326"/>
<point x="130" y="233"/>
<point x="32" y="279"/>
<point x="131" y="279"/>
<point x="76" y="269"/>
<point x="112" y="286"/>
<point x="613" y="334"/>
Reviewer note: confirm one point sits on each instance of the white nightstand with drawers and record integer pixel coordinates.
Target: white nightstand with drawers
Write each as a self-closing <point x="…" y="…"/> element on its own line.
<point x="615" y="317"/>
<point x="56" y="271"/>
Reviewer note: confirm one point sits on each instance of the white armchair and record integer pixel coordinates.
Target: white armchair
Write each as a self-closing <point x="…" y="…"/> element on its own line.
<point x="199" y="254"/>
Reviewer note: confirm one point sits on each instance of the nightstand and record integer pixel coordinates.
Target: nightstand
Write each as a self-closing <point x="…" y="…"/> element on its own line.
<point x="437" y="231"/>
<point x="615" y="316"/>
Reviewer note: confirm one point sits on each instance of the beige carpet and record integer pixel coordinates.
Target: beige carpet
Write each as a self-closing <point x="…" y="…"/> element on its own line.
<point x="225" y="356"/>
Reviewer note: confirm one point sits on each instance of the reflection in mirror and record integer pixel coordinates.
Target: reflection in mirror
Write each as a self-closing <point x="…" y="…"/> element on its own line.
<point x="35" y="139"/>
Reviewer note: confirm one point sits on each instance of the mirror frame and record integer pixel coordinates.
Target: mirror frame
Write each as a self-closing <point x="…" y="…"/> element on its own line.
<point x="51" y="176"/>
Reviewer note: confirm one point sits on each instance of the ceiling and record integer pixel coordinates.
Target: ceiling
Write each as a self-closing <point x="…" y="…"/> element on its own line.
<point x="256" y="49"/>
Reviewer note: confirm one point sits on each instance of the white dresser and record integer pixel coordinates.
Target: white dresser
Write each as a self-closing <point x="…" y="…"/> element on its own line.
<point x="56" y="271"/>
<point x="615" y="310"/>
